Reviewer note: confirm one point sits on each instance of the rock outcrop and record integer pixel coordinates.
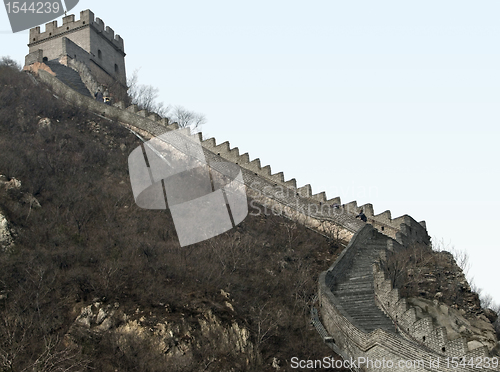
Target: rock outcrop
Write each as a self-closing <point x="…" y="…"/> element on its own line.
<point x="172" y="336"/>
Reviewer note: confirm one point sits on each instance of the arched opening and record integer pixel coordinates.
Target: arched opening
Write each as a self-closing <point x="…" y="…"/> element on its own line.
<point x="116" y="67"/>
<point x="99" y="53"/>
<point x="45" y="59"/>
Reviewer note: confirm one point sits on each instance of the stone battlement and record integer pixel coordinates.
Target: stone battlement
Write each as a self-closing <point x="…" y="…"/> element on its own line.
<point x="271" y="188"/>
<point x="315" y="211"/>
<point x="420" y="328"/>
<point x="70" y="25"/>
<point x="410" y="349"/>
<point x="383" y="222"/>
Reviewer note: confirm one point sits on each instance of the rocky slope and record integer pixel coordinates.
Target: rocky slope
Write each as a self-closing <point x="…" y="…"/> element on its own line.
<point x="92" y="282"/>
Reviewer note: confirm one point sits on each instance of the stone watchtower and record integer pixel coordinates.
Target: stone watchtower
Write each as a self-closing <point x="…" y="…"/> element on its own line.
<point x="85" y="45"/>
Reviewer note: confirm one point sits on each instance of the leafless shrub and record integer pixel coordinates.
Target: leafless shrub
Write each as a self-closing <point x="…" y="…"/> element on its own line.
<point x="461" y="256"/>
<point x="89" y="240"/>
<point x="6" y="61"/>
<point x="145" y="96"/>
<point x="186" y="118"/>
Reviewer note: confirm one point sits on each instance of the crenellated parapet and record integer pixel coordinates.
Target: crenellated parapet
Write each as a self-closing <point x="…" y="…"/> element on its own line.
<point x="86" y="41"/>
<point x="403" y="228"/>
<point x="52" y="30"/>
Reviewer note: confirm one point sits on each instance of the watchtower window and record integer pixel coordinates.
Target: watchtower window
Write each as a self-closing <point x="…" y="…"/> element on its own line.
<point x="116" y="68"/>
<point x="99" y="53"/>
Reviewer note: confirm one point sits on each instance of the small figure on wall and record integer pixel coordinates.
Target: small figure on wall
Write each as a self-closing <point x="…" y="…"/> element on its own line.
<point x="98" y="95"/>
<point x="362" y="216"/>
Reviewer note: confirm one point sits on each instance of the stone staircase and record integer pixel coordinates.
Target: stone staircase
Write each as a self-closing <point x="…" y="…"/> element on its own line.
<point x="69" y="77"/>
<point x="355" y="290"/>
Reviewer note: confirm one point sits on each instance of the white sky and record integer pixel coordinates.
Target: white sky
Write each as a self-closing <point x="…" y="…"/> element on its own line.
<point x="393" y="103"/>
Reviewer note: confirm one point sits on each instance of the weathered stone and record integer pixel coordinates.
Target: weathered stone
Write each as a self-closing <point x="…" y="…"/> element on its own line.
<point x="44" y="123"/>
<point x="5" y="233"/>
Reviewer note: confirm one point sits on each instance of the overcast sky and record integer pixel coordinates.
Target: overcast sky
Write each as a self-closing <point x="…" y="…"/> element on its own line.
<point x="394" y="103"/>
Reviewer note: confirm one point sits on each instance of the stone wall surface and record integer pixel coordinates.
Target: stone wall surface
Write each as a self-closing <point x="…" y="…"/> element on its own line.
<point x="426" y="327"/>
<point x="329" y="216"/>
<point x="87" y="40"/>
<point x="402" y="350"/>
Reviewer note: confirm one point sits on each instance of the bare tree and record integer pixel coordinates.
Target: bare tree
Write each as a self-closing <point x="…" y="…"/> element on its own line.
<point x="265" y="323"/>
<point x="486" y="300"/>
<point x="461" y="256"/>
<point x="186" y="118"/>
<point x="144" y="96"/>
<point x="9" y="62"/>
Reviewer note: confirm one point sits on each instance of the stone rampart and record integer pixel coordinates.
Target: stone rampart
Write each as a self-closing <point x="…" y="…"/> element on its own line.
<point x="412" y="232"/>
<point x="421" y="329"/>
<point x="316" y="211"/>
<point x="394" y="352"/>
<point x="270" y="186"/>
<point x="275" y="197"/>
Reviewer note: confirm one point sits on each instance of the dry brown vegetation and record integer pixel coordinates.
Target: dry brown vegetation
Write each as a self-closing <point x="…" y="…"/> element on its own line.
<point x="90" y="241"/>
<point x="418" y="271"/>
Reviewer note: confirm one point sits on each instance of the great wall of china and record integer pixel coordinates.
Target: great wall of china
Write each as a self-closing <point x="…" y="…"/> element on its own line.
<point x="360" y="315"/>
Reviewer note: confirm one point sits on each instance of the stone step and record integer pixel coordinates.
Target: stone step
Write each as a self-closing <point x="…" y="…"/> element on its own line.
<point x="371" y="321"/>
<point x="371" y="327"/>
<point x="368" y="315"/>
<point x="354" y="286"/>
<point x="355" y="291"/>
<point x="366" y="258"/>
<point x="367" y="304"/>
<point x="69" y="77"/>
<point x="365" y="313"/>
<point x="358" y="279"/>
<point x="354" y="296"/>
<point x="359" y="275"/>
<point x="360" y="307"/>
<point x="349" y="294"/>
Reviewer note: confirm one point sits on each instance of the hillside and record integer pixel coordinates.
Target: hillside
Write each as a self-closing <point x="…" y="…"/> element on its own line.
<point x="90" y="281"/>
